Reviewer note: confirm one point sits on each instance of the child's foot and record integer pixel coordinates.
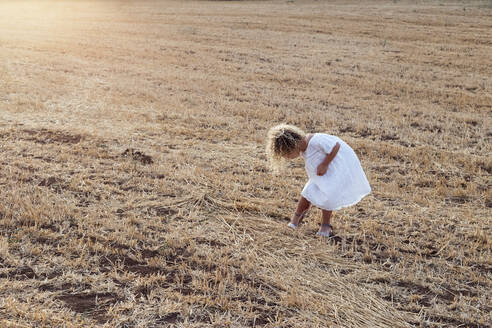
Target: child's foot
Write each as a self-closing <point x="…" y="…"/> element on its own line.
<point x="296" y="220"/>
<point x="326" y="230"/>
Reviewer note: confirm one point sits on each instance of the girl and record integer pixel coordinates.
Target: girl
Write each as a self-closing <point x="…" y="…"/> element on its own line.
<point x="336" y="178"/>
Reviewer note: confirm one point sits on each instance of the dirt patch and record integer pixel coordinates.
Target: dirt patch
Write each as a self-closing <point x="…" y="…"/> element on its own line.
<point x="425" y="184"/>
<point x="112" y="244"/>
<point x="144" y="270"/>
<point x="45" y="240"/>
<point x="211" y="242"/>
<point x="44" y="136"/>
<point x="364" y="133"/>
<point x="93" y="304"/>
<point x="113" y="260"/>
<point x="47" y="182"/>
<point x="160" y="210"/>
<point x="389" y="137"/>
<point x="156" y="176"/>
<point x="261" y="319"/>
<point x="138" y="156"/>
<point x="21" y="273"/>
<point x="347" y="129"/>
<point x="426" y="127"/>
<point x="167" y="319"/>
<point x="148" y="253"/>
<point x="458" y="200"/>
<point x="127" y="264"/>
<point x="446" y="321"/>
<point x="65" y="287"/>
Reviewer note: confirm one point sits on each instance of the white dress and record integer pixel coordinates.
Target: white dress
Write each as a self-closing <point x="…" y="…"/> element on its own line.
<point x="344" y="183"/>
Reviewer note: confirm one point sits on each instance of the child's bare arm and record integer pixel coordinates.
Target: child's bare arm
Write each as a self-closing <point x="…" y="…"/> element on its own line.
<point x="323" y="167"/>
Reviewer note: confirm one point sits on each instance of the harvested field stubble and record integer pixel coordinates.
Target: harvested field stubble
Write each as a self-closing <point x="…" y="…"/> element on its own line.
<point x="134" y="189"/>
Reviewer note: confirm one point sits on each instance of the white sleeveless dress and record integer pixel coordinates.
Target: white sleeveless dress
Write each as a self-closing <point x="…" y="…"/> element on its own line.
<point x="344" y="183"/>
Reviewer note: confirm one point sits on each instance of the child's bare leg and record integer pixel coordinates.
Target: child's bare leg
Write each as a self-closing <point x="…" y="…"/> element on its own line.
<point x="325" y="221"/>
<point x="302" y="207"/>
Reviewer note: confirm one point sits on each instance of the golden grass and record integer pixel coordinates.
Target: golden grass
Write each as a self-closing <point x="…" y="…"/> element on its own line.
<point x="134" y="184"/>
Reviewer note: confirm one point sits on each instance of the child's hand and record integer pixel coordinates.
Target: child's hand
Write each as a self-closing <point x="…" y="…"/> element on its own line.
<point x="321" y="170"/>
<point x="323" y="167"/>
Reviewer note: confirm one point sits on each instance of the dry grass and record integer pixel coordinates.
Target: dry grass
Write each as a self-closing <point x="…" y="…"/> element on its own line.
<point x="134" y="185"/>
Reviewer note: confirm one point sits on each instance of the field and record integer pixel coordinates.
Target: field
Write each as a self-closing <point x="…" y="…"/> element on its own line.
<point x="135" y="190"/>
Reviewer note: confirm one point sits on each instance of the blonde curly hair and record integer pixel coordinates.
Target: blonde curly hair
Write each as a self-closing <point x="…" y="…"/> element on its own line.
<point x="282" y="140"/>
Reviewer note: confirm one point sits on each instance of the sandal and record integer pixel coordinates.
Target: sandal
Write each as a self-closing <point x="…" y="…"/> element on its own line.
<point x="301" y="216"/>
<point x="327" y="234"/>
